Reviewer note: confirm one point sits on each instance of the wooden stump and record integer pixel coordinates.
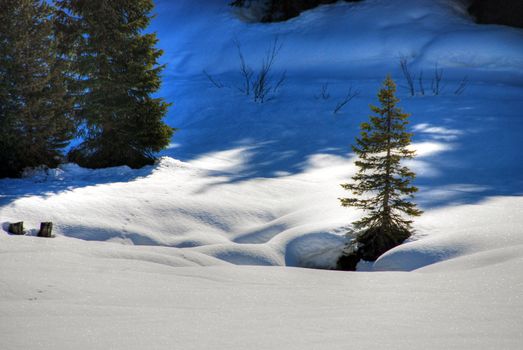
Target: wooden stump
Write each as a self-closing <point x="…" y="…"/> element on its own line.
<point x="348" y="262"/>
<point x="16" y="228"/>
<point x="46" y="229"/>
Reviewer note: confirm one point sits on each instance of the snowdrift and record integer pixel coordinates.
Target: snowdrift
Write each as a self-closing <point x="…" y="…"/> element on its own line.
<point x="257" y="184"/>
<point x="149" y="258"/>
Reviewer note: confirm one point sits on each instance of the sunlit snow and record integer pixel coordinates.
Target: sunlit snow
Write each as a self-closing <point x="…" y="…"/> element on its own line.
<point x="149" y="258"/>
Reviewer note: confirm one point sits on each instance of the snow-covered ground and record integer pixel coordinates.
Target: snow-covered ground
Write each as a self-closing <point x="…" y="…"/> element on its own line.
<point x="146" y="258"/>
<point x="64" y="294"/>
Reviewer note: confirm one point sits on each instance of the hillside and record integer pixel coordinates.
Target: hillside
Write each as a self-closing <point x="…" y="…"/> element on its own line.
<point x="148" y="256"/>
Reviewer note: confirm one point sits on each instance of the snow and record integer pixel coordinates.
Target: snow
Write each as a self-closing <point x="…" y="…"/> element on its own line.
<point x="58" y="294"/>
<point x="149" y="257"/>
<point x="464" y="230"/>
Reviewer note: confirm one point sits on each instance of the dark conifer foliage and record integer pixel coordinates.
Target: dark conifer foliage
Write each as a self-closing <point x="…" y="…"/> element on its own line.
<point x="507" y="12"/>
<point x="282" y="10"/>
<point x="35" y="108"/>
<point x="118" y="71"/>
<point x="382" y="185"/>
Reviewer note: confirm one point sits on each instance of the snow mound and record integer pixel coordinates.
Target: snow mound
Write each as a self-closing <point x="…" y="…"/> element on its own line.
<point x="146" y="258"/>
<point x="258" y="184"/>
<point x="462" y="231"/>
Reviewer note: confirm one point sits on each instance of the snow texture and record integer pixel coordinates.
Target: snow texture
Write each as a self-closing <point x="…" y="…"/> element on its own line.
<point x="147" y="258"/>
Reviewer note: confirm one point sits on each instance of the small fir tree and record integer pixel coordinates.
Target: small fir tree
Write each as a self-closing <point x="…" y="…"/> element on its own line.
<point x="118" y="72"/>
<point x="382" y="185"/>
<point x="36" y="122"/>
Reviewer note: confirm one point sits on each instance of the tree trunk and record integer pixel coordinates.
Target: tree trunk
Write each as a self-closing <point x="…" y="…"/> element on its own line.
<point x="386" y="197"/>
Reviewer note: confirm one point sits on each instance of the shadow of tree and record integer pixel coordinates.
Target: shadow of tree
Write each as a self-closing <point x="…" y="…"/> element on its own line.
<point x="67" y="178"/>
<point x="482" y="156"/>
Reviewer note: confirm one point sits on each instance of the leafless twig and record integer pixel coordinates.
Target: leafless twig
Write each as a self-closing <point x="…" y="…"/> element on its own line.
<point x="245" y="71"/>
<point x="213" y="80"/>
<point x="404" y="64"/>
<point x="462" y="85"/>
<point x="436" y="81"/>
<point x="261" y="84"/>
<point x="350" y="95"/>
<point x="280" y="82"/>
<point x="420" y="82"/>
<point x="324" y="92"/>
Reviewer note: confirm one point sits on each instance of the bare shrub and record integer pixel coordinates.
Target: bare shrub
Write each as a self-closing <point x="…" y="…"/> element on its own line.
<point x="436" y="81"/>
<point x="213" y="80"/>
<point x="324" y="92"/>
<point x="245" y="71"/>
<point x="462" y="86"/>
<point x="263" y="84"/>
<point x="409" y="78"/>
<point x="420" y="83"/>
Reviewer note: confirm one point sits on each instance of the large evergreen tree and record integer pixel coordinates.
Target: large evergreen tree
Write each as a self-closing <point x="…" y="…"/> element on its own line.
<point x="382" y="185"/>
<point x="35" y="107"/>
<point x="118" y="71"/>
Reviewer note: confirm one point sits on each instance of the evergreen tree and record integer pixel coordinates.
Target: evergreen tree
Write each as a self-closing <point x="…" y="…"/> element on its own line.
<point x="118" y="71"/>
<point x="382" y="185"/>
<point x="35" y="119"/>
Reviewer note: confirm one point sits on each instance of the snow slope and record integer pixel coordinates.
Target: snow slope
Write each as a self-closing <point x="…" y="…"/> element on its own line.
<point x="147" y="256"/>
<point x="257" y="183"/>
